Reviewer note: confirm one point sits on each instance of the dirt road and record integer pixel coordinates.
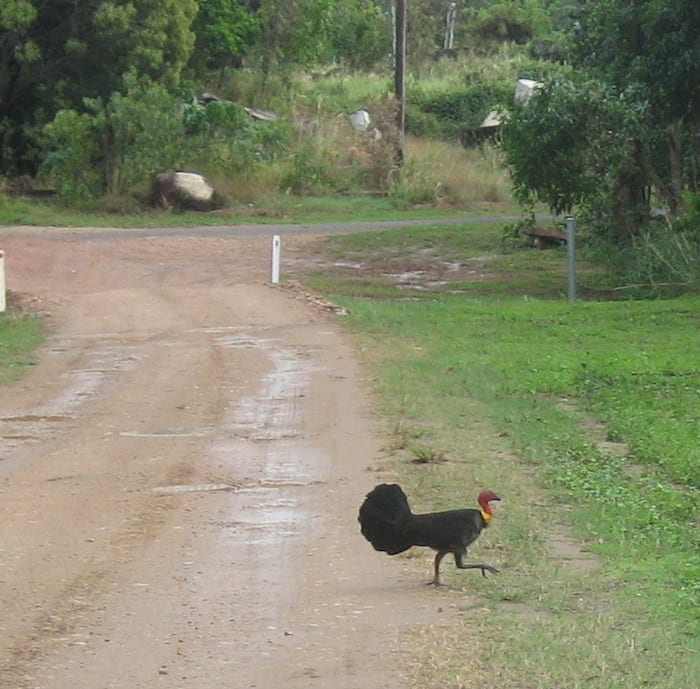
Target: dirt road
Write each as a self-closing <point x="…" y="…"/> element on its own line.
<point x="180" y="476"/>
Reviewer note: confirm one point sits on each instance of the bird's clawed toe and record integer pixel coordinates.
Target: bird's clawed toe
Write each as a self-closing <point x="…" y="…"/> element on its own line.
<point x="488" y="568"/>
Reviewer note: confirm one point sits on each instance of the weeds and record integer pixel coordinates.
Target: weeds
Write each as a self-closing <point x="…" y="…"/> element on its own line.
<point x="19" y="338"/>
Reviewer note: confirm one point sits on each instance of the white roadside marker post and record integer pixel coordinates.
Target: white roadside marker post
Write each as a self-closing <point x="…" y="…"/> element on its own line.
<point x="2" y="282"/>
<point x="276" y="247"/>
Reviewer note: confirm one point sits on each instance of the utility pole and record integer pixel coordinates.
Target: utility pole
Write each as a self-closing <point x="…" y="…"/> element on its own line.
<point x="400" y="79"/>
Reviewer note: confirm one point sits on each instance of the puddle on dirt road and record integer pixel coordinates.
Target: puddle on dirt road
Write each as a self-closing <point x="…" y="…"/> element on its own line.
<point x="104" y="361"/>
<point x="169" y="433"/>
<point x="260" y="446"/>
<point x="265" y="451"/>
<point x="193" y="488"/>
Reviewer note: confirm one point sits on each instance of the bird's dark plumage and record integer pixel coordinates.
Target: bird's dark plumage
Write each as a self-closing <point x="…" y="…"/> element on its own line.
<point x="387" y="522"/>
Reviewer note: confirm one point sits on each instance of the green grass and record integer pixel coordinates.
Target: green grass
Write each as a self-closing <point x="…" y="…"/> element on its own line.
<point x="19" y="339"/>
<point x="524" y="394"/>
<point x="509" y="268"/>
<point x="274" y="208"/>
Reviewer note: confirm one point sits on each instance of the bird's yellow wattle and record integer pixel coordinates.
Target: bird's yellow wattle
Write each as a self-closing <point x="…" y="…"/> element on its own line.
<point x="486" y="516"/>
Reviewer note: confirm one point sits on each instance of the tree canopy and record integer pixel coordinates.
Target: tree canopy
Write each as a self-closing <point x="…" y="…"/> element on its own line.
<point x="55" y="54"/>
<point x="623" y="127"/>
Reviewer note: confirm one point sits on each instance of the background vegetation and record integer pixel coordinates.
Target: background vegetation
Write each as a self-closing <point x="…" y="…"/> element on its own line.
<point x="94" y="101"/>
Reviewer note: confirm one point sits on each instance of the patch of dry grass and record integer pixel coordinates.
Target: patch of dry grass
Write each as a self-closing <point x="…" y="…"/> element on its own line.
<point x="457" y="176"/>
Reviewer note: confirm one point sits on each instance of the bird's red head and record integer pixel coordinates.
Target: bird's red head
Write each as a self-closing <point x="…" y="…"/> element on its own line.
<point x="485" y="497"/>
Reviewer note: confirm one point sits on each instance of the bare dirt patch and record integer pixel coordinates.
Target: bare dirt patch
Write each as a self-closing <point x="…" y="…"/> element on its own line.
<point x="422" y="271"/>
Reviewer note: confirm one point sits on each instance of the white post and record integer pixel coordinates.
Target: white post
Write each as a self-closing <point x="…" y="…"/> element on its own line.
<point x="276" y="246"/>
<point x="2" y="281"/>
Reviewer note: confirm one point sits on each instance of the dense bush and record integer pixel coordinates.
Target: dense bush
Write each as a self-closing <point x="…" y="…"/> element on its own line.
<point x="360" y="34"/>
<point x="117" y="147"/>
<point x="223" y="139"/>
<point x="111" y="147"/>
<point x="448" y="115"/>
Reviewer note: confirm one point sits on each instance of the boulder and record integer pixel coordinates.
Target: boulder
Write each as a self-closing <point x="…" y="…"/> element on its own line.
<point x="184" y="191"/>
<point x="360" y="120"/>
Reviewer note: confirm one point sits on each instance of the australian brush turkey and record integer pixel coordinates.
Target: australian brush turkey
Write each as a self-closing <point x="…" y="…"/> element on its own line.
<point x="387" y="522"/>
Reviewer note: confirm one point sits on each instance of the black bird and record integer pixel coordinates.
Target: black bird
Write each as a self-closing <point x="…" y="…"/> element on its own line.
<point x="387" y="522"/>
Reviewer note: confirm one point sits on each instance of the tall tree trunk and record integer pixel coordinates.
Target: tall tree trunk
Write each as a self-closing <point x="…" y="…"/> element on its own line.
<point x="630" y="199"/>
<point x="675" y="156"/>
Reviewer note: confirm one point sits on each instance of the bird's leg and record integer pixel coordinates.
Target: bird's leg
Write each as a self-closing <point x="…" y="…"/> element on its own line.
<point x="438" y="560"/>
<point x="484" y="568"/>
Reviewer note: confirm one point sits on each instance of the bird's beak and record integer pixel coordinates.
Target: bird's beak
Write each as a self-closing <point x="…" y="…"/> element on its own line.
<point x="495" y="497"/>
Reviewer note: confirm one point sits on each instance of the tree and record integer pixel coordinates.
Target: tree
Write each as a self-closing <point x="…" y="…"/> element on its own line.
<point x="225" y="31"/>
<point x="360" y="33"/>
<point x="153" y="38"/>
<point x="294" y="32"/>
<point x="18" y="53"/>
<point x="574" y="144"/>
<point x="55" y="54"/>
<point x="624" y="131"/>
<point x="655" y="45"/>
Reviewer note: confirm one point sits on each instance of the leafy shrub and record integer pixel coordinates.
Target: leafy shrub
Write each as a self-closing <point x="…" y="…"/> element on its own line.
<point x="71" y="159"/>
<point x="116" y="147"/>
<point x="306" y="175"/>
<point x="112" y="146"/>
<point x="222" y="138"/>
<point x="447" y="115"/>
<point x="143" y="133"/>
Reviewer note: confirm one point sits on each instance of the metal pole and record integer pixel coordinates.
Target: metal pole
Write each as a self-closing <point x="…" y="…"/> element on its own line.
<point x="571" y="254"/>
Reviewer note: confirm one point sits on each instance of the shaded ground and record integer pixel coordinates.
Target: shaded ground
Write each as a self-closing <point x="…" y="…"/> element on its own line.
<point x="180" y="476"/>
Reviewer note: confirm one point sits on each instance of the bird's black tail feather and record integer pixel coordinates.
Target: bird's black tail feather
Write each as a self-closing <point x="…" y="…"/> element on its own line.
<point x="384" y="517"/>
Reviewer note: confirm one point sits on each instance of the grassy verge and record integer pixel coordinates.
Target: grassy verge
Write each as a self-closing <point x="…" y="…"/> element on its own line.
<point x="584" y="417"/>
<point x="19" y="339"/>
<point x="271" y="209"/>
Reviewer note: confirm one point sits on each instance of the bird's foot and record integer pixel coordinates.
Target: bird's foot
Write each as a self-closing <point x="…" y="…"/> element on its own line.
<point x="488" y="568"/>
